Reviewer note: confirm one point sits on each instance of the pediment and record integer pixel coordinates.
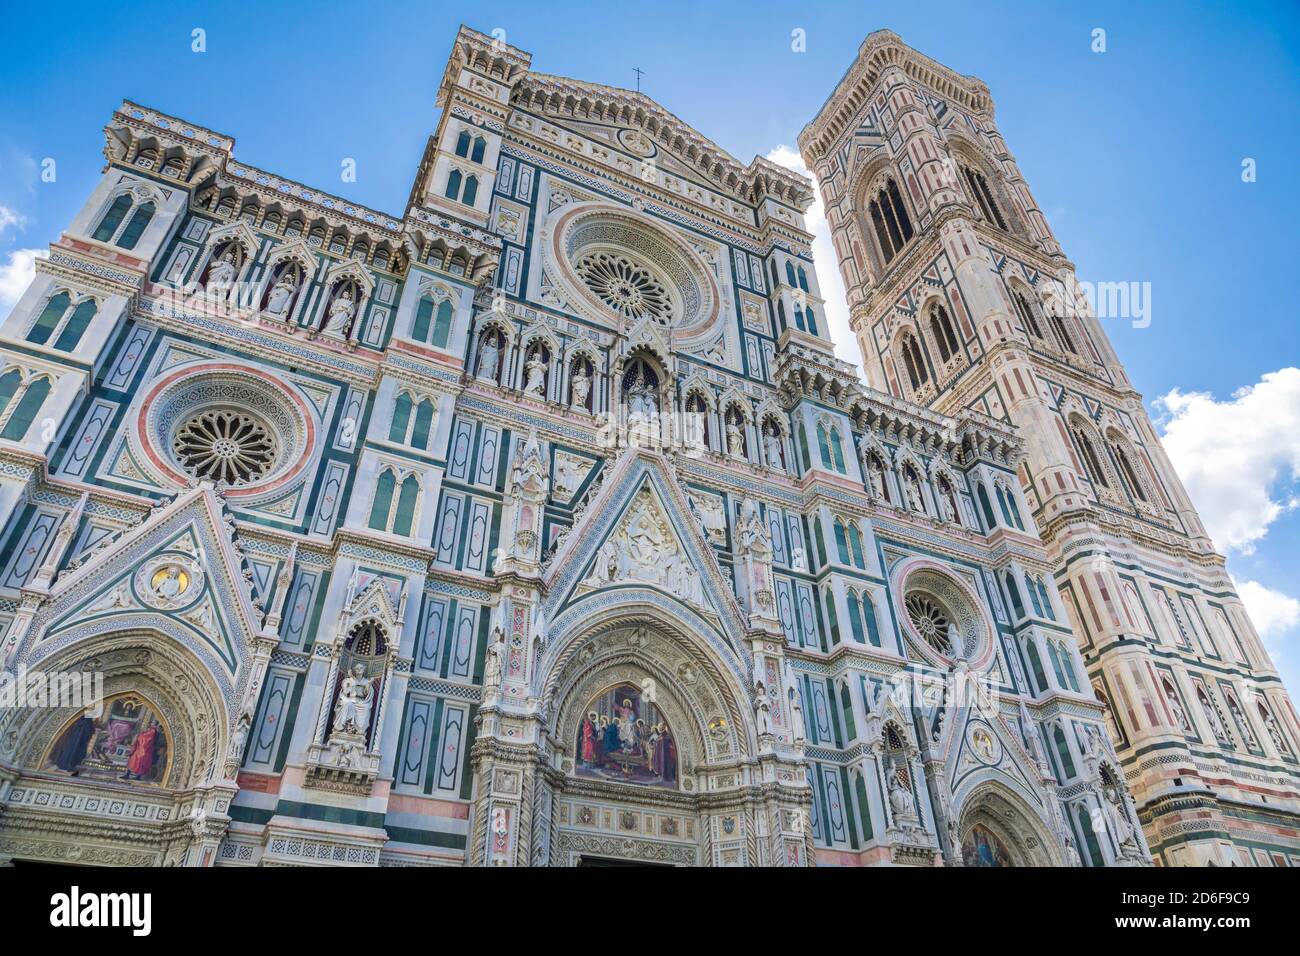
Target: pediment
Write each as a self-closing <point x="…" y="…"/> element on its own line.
<point x="641" y="532"/>
<point x="180" y="565"/>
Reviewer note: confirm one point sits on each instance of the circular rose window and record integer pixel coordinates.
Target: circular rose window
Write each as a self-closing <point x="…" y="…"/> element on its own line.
<point x="627" y="288"/>
<point x="225" y="446"/>
<point x="931" y="621"/>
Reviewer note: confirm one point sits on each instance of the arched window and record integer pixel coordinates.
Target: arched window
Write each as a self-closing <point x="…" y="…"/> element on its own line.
<point x="462" y="144"/>
<point x="979" y="187"/>
<point x="471" y="190"/>
<point x="945" y="337"/>
<point x="837" y="448"/>
<point x="20" y="422"/>
<point x="986" y="506"/>
<point x="139" y="220"/>
<point x="823" y="445"/>
<point x="1026" y="314"/>
<point x="790" y="276"/>
<point x="1090" y="459"/>
<point x="869" y="617"/>
<point x="1017" y="603"/>
<point x="395" y="516"/>
<point x="1063" y="751"/>
<point x="810" y="317"/>
<point x="401" y="418"/>
<point x="841" y="541"/>
<point x="112" y="219"/>
<point x="855" y="546"/>
<point x="914" y="361"/>
<point x="832" y="620"/>
<point x="49" y="318"/>
<point x="9" y="383"/>
<point x="76" y="326"/>
<point x="1127" y="472"/>
<point x="406" y="501"/>
<point x="423" y="424"/>
<point x="1062" y="333"/>
<point x="803" y="279"/>
<point x="383" y="501"/>
<point x="889" y="220"/>
<point x="453" y="184"/>
<point x="855" y="618"/>
<point x="1035" y="664"/>
<point x="480" y="147"/>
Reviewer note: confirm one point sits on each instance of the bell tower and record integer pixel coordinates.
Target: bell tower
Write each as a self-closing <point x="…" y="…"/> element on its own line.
<point x="961" y="299"/>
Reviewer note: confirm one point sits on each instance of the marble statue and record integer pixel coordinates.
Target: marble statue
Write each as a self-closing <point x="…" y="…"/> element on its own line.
<point x="535" y="381"/>
<point x="277" y="303"/>
<point x="221" y="276"/>
<point x="356" y="697"/>
<point x="339" y="320"/>
<point x="488" y="357"/>
<point x="581" y="387"/>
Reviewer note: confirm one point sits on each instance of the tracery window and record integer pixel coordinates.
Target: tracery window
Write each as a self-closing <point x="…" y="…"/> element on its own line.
<point x="914" y="361"/>
<point x="18" y="419"/>
<point x="1026" y="314"/>
<point x="930" y="620"/>
<point x="1090" y="459"/>
<point x="1127" y="472"/>
<point x="393" y="508"/>
<point x="432" y="321"/>
<point x="59" y="316"/>
<point x="626" y="287"/>
<point x="890" y="221"/>
<point x="945" y="336"/>
<point x="119" y="230"/>
<point x="979" y="187"/>
<point x="226" y="446"/>
<point x="1062" y="333"/>
<point x="412" y="421"/>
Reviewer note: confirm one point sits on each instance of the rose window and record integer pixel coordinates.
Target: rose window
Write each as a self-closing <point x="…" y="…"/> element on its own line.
<point x="931" y="622"/>
<point x="624" y="286"/>
<point x="225" y="446"/>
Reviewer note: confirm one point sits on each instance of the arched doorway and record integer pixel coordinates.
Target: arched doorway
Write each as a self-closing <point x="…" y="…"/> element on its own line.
<point x="998" y="830"/>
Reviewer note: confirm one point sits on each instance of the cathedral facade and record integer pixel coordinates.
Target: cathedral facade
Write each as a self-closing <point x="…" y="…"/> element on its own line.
<point x="540" y="525"/>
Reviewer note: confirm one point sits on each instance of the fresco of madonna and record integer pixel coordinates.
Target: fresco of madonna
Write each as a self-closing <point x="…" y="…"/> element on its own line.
<point x="125" y="743"/>
<point x="624" y="738"/>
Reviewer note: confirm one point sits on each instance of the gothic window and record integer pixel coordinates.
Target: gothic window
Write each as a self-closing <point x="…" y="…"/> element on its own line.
<point x="316" y="237"/>
<point x="855" y="546"/>
<point x="412" y="421"/>
<point x="435" y="318"/>
<point x="1063" y="753"/>
<point x="841" y="541"/>
<point x="32" y="397"/>
<point x="869" y="618"/>
<point x="832" y="619"/>
<point x="112" y="220"/>
<point x="454" y="179"/>
<point x="986" y="506"/>
<point x="979" y="187"/>
<point x="913" y="361"/>
<point x="462" y="144"/>
<point x="294" y="229"/>
<point x="272" y="221"/>
<point x="890" y="221"/>
<point x="136" y="226"/>
<point x="480" y="147"/>
<point x="855" y="617"/>
<point x="69" y="323"/>
<point x="1026" y="313"/>
<point x="791" y="281"/>
<point x="1017" y="602"/>
<point x="471" y="190"/>
<point x="1062" y="333"/>
<point x="1035" y="664"/>
<point x="393" y="508"/>
<point x="1112" y="721"/>
<point x="629" y="289"/>
<point x="803" y="279"/>
<point x="1128" y="474"/>
<point x="828" y="443"/>
<point x="339" y="243"/>
<point x="945" y="336"/>
<point x="1091" y="462"/>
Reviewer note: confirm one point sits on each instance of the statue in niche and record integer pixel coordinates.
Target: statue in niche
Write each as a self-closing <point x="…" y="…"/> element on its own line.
<point x="762" y="711"/>
<point x="754" y="536"/>
<point x="1180" y="715"/>
<point x="581" y="386"/>
<point x="282" y="293"/>
<point x="947" y="506"/>
<point x="772" y="450"/>
<point x="798" y="730"/>
<point x="535" y="381"/>
<point x="356" y="697"/>
<point x="876" y="476"/>
<point x="735" y="441"/>
<point x="492" y="667"/>
<point x="488" y="357"/>
<point x="221" y="274"/>
<point x="912" y="484"/>
<point x="341" y="311"/>
<point x="1274" y="732"/>
<point x="1117" y="817"/>
<point x="901" y="802"/>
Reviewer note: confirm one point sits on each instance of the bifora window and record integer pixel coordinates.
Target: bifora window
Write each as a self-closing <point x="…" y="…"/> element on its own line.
<point x="225" y="446"/>
<point x="627" y="288"/>
<point x="930" y="620"/>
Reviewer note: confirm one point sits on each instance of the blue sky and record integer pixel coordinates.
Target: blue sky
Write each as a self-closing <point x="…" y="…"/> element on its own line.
<point x="1135" y="155"/>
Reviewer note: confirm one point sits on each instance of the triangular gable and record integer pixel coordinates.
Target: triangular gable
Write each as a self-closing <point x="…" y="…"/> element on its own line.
<point x="179" y="563"/>
<point x="978" y="745"/>
<point x="639" y="532"/>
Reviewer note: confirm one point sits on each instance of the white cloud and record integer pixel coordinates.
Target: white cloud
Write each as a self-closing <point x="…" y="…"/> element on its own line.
<point x="11" y="219"/>
<point x="1240" y="459"/>
<point x="16" y="275"/>
<point x="828" y="272"/>
<point x="1272" y="612"/>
